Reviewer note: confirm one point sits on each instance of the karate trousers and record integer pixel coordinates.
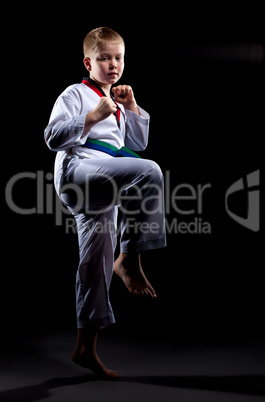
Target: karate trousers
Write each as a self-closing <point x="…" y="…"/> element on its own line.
<point x="93" y="190"/>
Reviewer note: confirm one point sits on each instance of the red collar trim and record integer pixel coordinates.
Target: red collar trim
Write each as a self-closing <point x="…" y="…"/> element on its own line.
<point x="92" y="86"/>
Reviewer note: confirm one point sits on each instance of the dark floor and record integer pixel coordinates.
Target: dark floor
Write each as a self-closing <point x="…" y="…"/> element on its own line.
<point x="151" y="370"/>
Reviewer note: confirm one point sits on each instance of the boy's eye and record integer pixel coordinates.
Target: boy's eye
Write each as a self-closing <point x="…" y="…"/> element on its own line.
<point x="105" y="58"/>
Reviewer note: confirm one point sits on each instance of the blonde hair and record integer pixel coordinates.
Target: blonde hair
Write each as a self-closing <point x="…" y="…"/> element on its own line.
<point x="98" y="36"/>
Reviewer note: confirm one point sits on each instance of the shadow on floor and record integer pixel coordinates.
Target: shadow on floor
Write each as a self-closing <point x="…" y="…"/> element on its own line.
<point x="251" y="385"/>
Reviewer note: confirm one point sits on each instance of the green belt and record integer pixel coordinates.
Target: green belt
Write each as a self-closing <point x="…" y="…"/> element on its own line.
<point x="110" y="149"/>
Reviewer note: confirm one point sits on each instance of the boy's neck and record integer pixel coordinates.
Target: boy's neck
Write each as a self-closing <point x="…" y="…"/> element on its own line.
<point x="105" y="88"/>
<point x="106" y="91"/>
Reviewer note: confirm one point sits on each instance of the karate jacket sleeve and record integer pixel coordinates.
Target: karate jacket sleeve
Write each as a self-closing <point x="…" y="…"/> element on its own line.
<point x="66" y="125"/>
<point x="137" y="129"/>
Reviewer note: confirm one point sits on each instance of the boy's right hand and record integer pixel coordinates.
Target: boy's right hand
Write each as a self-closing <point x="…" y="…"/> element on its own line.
<point x="104" y="109"/>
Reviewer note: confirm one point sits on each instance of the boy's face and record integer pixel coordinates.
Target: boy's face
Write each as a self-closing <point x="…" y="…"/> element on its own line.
<point x="106" y="64"/>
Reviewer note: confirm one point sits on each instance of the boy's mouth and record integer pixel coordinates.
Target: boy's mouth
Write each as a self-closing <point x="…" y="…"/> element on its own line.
<point x="113" y="73"/>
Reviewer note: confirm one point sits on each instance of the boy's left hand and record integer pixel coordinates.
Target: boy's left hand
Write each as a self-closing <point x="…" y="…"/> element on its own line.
<point x="124" y="95"/>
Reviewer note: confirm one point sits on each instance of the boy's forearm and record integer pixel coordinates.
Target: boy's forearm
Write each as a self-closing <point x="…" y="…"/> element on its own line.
<point x="133" y="108"/>
<point x="91" y="120"/>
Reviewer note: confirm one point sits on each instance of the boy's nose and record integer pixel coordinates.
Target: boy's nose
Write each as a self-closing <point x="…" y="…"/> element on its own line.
<point x="113" y="64"/>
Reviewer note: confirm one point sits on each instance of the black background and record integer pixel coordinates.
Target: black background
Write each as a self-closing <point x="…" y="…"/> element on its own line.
<point x="206" y="127"/>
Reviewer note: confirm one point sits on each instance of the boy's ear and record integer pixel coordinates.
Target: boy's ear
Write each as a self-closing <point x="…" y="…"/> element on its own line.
<point x="87" y="63"/>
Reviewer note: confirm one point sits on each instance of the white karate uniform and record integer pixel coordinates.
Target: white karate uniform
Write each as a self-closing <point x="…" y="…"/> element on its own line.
<point x="88" y="182"/>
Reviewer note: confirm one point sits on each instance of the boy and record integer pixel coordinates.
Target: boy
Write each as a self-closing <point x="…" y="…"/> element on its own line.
<point x="89" y="127"/>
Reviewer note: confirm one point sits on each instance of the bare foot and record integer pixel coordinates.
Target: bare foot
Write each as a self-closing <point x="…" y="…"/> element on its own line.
<point x="92" y="362"/>
<point x="85" y="354"/>
<point x="128" y="268"/>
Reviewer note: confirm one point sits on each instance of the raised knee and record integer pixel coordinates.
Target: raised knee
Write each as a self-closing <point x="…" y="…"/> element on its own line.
<point x="155" y="173"/>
